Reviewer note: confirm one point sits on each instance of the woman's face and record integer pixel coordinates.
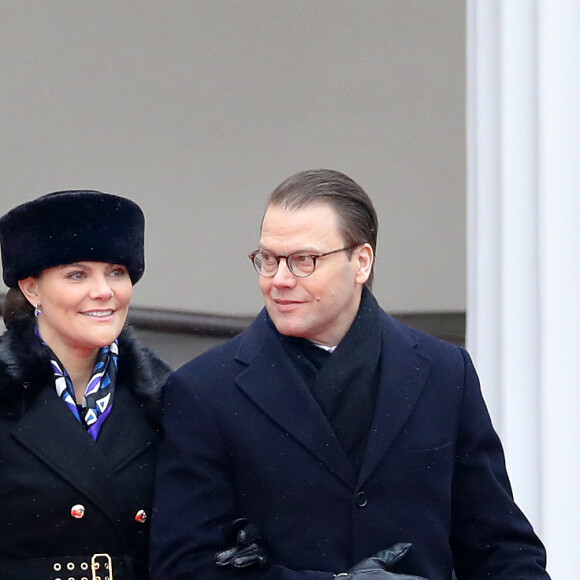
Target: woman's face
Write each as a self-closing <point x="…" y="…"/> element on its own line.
<point x="84" y="305"/>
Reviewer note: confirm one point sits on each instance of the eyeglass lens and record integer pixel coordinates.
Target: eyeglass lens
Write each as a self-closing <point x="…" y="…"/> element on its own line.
<point x="299" y="264"/>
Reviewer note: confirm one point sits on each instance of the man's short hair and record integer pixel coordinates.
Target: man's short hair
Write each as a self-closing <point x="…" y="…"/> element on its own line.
<point x="358" y="220"/>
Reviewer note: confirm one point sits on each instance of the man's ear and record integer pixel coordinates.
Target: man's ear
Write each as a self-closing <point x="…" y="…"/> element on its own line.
<point x="364" y="257"/>
<point x="29" y="287"/>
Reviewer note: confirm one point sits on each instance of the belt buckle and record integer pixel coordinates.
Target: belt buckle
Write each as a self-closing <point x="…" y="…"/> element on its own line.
<point x="95" y="565"/>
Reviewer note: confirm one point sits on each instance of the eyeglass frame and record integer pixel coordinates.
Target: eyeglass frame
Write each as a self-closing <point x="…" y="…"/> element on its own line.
<point x="314" y="257"/>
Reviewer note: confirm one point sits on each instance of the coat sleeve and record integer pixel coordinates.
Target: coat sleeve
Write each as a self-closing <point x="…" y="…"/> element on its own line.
<point x="195" y="494"/>
<point x="490" y="536"/>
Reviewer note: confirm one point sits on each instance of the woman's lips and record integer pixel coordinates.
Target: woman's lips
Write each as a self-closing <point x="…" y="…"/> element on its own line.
<point x="99" y="314"/>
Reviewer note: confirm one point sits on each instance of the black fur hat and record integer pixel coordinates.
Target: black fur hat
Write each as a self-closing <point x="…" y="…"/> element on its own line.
<point x="71" y="226"/>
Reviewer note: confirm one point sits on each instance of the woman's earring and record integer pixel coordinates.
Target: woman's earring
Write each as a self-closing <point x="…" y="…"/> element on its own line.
<point x="37" y="310"/>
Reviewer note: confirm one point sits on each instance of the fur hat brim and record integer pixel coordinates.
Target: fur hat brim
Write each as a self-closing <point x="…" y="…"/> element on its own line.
<point x="71" y="226"/>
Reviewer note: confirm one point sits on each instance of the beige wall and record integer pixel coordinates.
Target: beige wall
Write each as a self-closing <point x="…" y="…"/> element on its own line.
<point x="197" y="109"/>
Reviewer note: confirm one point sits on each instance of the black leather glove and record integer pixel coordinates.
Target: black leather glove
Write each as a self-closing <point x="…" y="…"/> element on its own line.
<point x="380" y="566"/>
<point x="246" y="548"/>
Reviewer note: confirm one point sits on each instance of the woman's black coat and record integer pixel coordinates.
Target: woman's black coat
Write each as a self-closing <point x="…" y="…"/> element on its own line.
<point x="49" y="463"/>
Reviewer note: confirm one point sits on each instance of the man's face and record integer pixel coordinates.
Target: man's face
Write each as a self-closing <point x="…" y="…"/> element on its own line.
<point x="322" y="306"/>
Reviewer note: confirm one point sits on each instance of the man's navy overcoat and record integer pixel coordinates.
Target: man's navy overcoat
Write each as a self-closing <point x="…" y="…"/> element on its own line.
<point x="245" y="438"/>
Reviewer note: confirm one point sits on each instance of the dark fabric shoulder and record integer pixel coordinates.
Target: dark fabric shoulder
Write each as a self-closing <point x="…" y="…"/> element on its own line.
<point x="424" y="343"/>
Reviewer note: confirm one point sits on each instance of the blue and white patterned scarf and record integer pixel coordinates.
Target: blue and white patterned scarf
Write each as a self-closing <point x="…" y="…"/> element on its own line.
<point x="99" y="394"/>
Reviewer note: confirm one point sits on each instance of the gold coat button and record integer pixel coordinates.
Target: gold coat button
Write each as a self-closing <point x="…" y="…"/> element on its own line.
<point x="141" y="516"/>
<point x="77" y="511"/>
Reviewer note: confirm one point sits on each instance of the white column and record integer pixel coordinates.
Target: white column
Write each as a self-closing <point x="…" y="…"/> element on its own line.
<point x="503" y="270"/>
<point x="523" y="310"/>
<point x="483" y="222"/>
<point x="559" y="151"/>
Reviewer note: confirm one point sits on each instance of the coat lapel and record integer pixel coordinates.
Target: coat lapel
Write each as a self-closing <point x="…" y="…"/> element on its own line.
<point x="273" y="383"/>
<point x="126" y="433"/>
<point x="276" y="387"/>
<point x="403" y="375"/>
<point x="51" y="432"/>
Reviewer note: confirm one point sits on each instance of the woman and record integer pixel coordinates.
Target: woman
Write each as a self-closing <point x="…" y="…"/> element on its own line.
<point x="79" y="399"/>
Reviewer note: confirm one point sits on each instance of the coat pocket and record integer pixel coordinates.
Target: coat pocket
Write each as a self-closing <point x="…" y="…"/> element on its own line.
<point x="424" y="457"/>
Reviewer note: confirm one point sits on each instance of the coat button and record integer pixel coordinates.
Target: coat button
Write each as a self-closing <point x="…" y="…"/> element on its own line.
<point x="77" y="511"/>
<point x="361" y="499"/>
<point x="141" y="516"/>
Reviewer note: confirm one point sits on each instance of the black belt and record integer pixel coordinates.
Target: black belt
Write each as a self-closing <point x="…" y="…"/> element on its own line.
<point x="95" y="567"/>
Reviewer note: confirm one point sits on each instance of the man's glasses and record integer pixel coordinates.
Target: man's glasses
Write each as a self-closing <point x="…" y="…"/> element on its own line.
<point x="300" y="263"/>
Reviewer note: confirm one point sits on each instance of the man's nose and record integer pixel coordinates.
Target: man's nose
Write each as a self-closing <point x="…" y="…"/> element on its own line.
<point x="283" y="276"/>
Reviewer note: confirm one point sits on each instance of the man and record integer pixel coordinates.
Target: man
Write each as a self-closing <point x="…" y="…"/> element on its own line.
<point x="330" y="427"/>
